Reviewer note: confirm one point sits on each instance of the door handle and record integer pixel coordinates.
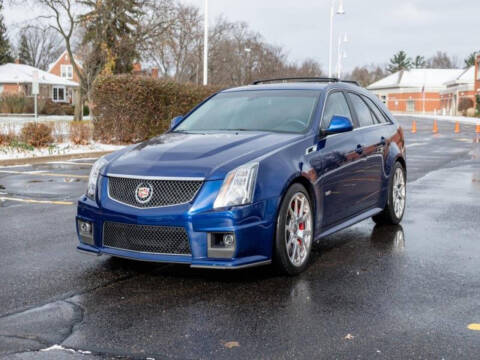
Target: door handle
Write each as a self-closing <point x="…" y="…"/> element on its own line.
<point x="359" y="149"/>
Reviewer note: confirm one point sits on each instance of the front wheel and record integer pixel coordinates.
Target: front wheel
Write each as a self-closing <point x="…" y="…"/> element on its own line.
<point x="396" y="201"/>
<point x="294" y="235"/>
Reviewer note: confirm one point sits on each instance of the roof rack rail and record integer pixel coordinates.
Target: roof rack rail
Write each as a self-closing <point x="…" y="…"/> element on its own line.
<point x="351" y="82"/>
<point x="299" y="79"/>
<point x="305" y="79"/>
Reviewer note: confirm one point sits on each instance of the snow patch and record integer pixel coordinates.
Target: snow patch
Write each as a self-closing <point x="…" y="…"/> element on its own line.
<point x="60" y="347"/>
<point x="7" y="152"/>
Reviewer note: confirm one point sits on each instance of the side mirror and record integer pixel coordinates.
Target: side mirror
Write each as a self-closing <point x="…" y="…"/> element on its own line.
<point x="175" y="121"/>
<point x="338" y="124"/>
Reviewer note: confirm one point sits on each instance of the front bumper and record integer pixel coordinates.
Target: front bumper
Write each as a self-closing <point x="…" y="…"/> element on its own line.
<point x="253" y="226"/>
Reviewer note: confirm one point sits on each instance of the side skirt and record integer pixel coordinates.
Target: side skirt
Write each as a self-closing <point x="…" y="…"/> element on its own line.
<point x="350" y="222"/>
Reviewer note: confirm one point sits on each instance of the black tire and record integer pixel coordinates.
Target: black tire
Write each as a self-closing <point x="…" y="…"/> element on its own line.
<point x="280" y="256"/>
<point x="388" y="216"/>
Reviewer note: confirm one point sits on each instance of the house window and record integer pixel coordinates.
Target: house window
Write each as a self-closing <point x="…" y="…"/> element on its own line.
<point x="410" y="105"/>
<point x="66" y="71"/>
<point x="59" y="94"/>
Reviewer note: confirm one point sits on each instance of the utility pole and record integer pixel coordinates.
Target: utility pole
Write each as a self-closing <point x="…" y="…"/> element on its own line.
<point x="340" y="11"/>
<point x="205" y="46"/>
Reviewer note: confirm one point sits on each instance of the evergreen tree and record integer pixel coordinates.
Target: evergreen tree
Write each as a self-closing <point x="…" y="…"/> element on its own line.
<point x="419" y="62"/>
<point x="399" y="61"/>
<point x="112" y="28"/>
<point x="470" y="60"/>
<point x="5" y="48"/>
<point x="23" y="52"/>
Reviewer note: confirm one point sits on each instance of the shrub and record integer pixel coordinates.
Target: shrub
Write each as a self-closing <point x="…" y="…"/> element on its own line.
<point x="86" y="110"/>
<point x="131" y="108"/>
<point x="80" y="132"/>
<point x="13" y="103"/>
<point x="464" y="104"/>
<point x="37" y="134"/>
<point x="6" y="139"/>
<point x="477" y="100"/>
<point x="55" y="108"/>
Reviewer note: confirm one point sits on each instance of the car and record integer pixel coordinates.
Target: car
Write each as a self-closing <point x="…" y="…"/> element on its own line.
<point x="254" y="175"/>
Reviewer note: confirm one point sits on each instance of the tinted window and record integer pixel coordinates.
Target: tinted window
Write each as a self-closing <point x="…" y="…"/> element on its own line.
<point x="378" y="114"/>
<point x="336" y="105"/>
<point x="364" y="114"/>
<point x="268" y="110"/>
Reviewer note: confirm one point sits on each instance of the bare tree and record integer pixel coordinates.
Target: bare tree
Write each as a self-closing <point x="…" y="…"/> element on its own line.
<point x="43" y="45"/>
<point x="173" y="50"/>
<point x="366" y="75"/>
<point x="441" y="60"/>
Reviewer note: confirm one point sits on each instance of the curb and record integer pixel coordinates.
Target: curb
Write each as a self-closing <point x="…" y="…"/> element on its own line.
<point x="43" y="159"/>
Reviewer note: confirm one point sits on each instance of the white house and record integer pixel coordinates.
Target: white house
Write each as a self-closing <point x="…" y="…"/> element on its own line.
<point x="18" y="78"/>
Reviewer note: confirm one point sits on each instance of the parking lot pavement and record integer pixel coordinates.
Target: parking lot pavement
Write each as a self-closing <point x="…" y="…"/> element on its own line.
<point x="410" y="291"/>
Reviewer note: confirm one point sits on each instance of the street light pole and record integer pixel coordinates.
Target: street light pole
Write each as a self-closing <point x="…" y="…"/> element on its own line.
<point x="205" y="46"/>
<point x="340" y="11"/>
<point x="342" y="39"/>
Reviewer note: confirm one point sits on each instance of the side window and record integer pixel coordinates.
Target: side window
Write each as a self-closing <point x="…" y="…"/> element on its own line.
<point x="365" y="116"/>
<point x="336" y="105"/>
<point x="378" y="114"/>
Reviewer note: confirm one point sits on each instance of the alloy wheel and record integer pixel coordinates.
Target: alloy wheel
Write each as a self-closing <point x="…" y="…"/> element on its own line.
<point x="399" y="192"/>
<point x="298" y="229"/>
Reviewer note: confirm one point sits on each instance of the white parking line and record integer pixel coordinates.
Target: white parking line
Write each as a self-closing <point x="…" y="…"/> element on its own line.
<point x="42" y="173"/>
<point x="70" y="163"/>
<point x="31" y="201"/>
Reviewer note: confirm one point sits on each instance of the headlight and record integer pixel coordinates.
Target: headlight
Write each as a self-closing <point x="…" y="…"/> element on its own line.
<point x="94" y="173"/>
<point x="238" y="187"/>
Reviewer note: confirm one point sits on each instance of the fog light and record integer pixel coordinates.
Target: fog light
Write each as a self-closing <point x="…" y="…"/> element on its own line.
<point x="85" y="230"/>
<point x="228" y="240"/>
<point x="221" y="245"/>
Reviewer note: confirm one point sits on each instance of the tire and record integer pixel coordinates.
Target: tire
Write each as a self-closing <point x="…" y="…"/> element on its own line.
<point x="294" y="233"/>
<point x="394" y="210"/>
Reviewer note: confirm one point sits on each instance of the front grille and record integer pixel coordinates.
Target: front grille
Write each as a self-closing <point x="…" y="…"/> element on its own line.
<point x="164" y="192"/>
<point x="147" y="239"/>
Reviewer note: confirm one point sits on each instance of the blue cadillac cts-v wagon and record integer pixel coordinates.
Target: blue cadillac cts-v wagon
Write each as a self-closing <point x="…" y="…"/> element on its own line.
<point x="253" y="175"/>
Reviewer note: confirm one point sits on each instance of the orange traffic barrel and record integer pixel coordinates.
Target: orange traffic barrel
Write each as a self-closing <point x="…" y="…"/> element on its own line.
<point x="435" y="127"/>
<point x="457" y="127"/>
<point x="414" y="127"/>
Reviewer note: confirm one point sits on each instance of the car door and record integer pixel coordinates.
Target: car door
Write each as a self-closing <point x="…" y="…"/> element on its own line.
<point x="370" y="148"/>
<point x="336" y="163"/>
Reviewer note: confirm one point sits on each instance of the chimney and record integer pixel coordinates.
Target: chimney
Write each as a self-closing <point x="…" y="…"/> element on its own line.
<point x="155" y="73"/>
<point x="137" y="67"/>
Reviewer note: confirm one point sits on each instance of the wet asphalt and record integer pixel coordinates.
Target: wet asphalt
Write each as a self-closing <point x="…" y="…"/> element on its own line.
<point x="401" y="292"/>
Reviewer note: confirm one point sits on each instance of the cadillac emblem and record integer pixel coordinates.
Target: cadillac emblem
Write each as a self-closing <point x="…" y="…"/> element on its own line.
<point x="143" y="193"/>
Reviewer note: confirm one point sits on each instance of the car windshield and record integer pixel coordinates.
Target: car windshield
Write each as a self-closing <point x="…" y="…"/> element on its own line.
<point x="269" y="110"/>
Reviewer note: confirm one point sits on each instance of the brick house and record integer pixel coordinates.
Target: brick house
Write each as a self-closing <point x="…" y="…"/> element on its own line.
<point x="18" y="78"/>
<point x="461" y="87"/>
<point x="416" y="90"/>
<point x="63" y="67"/>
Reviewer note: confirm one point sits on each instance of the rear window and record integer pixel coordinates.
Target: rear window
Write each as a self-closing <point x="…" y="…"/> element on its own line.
<point x="364" y="115"/>
<point x="380" y="118"/>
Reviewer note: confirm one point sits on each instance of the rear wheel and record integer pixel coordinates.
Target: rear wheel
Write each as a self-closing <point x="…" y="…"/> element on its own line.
<point x="396" y="201"/>
<point x="294" y="235"/>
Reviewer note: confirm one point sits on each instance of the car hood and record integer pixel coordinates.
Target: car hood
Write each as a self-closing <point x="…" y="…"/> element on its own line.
<point x="208" y="156"/>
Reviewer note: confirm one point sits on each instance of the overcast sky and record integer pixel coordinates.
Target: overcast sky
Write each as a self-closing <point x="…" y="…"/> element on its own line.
<point x="376" y="28"/>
